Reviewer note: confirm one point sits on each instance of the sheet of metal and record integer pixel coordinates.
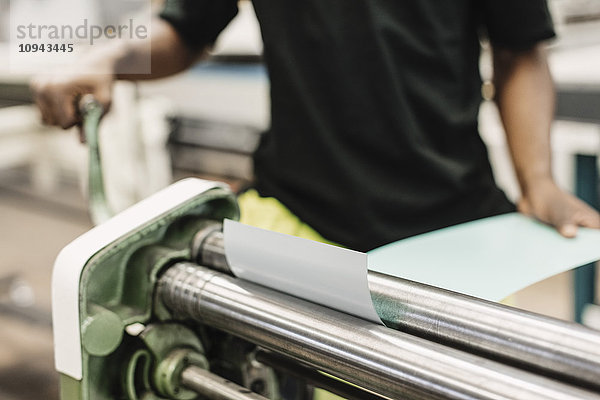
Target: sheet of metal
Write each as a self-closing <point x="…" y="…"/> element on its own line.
<point x="303" y="268"/>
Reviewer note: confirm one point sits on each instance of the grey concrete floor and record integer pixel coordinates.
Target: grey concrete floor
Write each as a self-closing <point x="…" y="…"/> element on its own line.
<point x="32" y="232"/>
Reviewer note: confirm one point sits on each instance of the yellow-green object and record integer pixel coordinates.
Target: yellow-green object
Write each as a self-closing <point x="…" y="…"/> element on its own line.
<point x="269" y="213"/>
<point x="323" y="395"/>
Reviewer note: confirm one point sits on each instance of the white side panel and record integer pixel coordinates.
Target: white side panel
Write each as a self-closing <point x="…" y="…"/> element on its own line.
<point x="71" y="260"/>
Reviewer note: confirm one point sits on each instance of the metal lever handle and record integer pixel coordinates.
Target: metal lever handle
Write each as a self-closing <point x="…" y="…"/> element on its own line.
<point x="91" y="112"/>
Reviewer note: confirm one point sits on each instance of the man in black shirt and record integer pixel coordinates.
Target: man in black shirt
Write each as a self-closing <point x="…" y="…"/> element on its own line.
<point x="374" y="108"/>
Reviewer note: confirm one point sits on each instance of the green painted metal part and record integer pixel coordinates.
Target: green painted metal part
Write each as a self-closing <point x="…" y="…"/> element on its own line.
<point x="136" y="375"/>
<point x="101" y="331"/>
<point x="156" y="370"/>
<point x="91" y="112"/>
<point x="116" y="292"/>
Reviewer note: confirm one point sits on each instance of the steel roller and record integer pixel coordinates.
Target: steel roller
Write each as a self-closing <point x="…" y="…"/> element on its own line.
<point x="556" y="348"/>
<point x="388" y="362"/>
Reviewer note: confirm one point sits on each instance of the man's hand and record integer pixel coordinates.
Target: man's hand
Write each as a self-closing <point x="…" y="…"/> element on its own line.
<point x="550" y="204"/>
<point x="525" y="97"/>
<point x="57" y="95"/>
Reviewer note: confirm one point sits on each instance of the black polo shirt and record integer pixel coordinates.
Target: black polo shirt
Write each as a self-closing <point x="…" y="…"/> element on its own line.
<point x="374" y="107"/>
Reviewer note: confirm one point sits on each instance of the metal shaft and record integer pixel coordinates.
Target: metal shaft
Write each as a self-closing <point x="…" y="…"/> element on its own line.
<point x="91" y="112"/>
<point x="564" y="350"/>
<point x="560" y="349"/>
<point x="208" y="247"/>
<point x="214" y="387"/>
<point x="391" y="363"/>
<point x="314" y="377"/>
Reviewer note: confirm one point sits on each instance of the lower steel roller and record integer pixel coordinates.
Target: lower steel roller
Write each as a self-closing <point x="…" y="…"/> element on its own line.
<point x="390" y="363"/>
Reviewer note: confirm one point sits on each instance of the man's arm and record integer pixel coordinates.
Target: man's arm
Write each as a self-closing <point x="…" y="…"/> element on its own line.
<point x="525" y="97"/>
<point x="56" y="95"/>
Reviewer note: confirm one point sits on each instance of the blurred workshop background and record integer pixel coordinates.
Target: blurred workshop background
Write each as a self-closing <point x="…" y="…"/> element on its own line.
<point x="206" y="122"/>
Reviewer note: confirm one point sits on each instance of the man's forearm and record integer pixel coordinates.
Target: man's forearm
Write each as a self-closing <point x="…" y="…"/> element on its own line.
<point x="526" y="99"/>
<point x="166" y="55"/>
<point x="56" y="94"/>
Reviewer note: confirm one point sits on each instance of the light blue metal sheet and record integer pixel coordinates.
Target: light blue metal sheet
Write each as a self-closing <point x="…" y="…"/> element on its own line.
<point x="490" y="258"/>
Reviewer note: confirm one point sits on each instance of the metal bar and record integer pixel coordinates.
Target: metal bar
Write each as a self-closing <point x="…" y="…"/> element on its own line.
<point x="91" y="112"/>
<point x="214" y="387"/>
<point x="586" y="188"/>
<point x="208" y="247"/>
<point x="391" y="363"/>
<point x="542" y="344"/>
<point x="314" y="377"/>
<point x="578" y="103"/>
<point x="545" y="345"/>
